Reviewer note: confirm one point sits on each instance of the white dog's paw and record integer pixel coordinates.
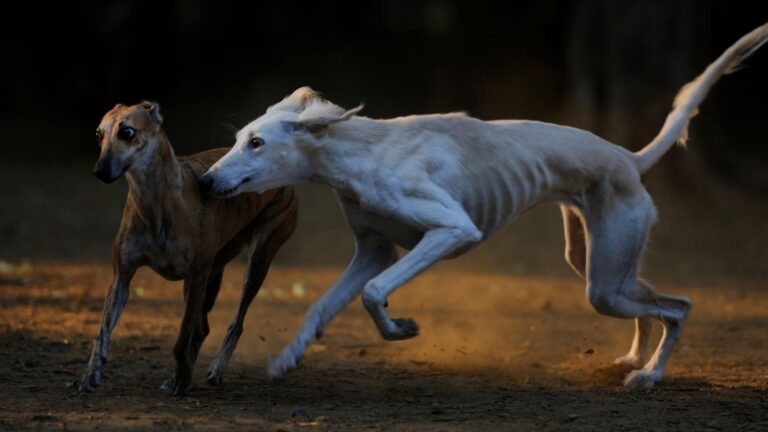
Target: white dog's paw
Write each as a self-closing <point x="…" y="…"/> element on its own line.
<point x="642" y="378"/>
<point x="278" y="368"/>
<point x="402" y="328"/>
<point x="631" y="360"/>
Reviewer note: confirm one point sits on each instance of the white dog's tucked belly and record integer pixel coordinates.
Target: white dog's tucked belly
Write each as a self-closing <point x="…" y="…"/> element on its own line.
<point x="502" y="171"/>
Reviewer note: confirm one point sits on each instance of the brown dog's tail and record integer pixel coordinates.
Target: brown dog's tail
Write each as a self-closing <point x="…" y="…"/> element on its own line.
<point x="689" y="97"/>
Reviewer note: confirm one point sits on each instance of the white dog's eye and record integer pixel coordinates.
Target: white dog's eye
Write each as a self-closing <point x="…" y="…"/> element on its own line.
<point x="256" y="142"/>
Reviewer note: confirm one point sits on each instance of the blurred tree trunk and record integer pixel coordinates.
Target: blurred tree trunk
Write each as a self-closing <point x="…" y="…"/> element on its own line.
<point x="581" y="79"/>
<point x="625" y="61"/>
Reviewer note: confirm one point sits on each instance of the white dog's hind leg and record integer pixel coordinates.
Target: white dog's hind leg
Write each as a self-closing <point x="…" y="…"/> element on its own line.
<point x="436" y="244"/>
<point x="373" y="255"/>
<point x="676" y="311"/>
<point x="639" y="349"/>
<point x="617" y="236"/>
<point x="576" y="256"/>
<point x="575" y="242"/>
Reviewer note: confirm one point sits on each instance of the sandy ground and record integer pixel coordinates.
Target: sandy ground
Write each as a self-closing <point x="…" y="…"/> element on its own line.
<point x="495" y="353"/>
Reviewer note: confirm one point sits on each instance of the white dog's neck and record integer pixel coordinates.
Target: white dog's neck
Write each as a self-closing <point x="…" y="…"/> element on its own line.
<point x="344" y="152"/>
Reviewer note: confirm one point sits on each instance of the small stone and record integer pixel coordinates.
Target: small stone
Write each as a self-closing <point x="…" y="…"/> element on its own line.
<point x="300" y="414"/>
<point x="714" y="425"/>
<point x="317" y="348"/>
<point x="437" y="408"/>
<point x="589" y="351"/>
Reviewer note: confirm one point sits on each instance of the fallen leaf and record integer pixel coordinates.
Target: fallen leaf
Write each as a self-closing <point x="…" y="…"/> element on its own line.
<point x="299" y="290"/>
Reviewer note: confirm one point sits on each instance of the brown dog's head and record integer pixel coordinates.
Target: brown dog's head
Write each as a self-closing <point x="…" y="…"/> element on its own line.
<point x="126" y="135"/>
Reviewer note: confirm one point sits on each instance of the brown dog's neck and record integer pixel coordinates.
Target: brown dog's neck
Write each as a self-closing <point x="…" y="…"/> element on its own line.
<point x="155" y="183"/>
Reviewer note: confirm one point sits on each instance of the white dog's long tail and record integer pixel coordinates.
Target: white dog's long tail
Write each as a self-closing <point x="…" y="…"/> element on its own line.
<point x="686" y="102"/>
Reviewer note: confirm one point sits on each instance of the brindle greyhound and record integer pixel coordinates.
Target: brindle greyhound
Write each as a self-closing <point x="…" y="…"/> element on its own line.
<point x="181" y="234"/>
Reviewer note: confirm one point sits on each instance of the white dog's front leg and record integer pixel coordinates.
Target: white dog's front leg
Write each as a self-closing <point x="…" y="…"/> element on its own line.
<point x="373" y="255"/>
<point x="436" y="244"/>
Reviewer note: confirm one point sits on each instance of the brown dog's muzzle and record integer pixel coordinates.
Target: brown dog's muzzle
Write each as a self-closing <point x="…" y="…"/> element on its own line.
<point x="206" y="183"/>
<point x="107" y="169"/>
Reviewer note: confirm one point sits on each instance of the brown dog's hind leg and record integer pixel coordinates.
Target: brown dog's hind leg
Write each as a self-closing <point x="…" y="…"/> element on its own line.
<point x="255" y="274"/>
<point x="211" y="292"/>
<point x="183" y="350"/>
<point x="258" y="266"/>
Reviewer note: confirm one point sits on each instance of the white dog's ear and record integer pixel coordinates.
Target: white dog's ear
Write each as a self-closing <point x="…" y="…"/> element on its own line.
<point x="297" y="101"/>
<point x="317" y="125"/>
<point x="304" y="95"/>
<point x="153" y="108"/>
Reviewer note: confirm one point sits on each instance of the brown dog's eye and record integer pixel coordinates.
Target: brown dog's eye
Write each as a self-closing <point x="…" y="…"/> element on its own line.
<point x="99" y="136"/>
<point x="126" y="133"/>
<point x="256" y="142"/>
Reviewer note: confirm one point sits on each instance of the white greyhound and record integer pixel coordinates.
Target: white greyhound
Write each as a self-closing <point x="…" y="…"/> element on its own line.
<point x="438" y="185"/>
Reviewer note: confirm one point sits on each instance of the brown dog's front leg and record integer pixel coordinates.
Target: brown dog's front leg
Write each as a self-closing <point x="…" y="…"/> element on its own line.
<point x="185" y="351"/>
<point x="117" y="296"/>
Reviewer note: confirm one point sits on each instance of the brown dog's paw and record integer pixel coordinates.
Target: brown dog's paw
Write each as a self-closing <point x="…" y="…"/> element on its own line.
<point x="90" y="381"/>
<point x="214" y="378"/>
<point x="176" y="387"/>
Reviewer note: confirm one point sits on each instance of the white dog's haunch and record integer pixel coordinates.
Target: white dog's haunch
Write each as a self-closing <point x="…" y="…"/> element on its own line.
<point x="438" y="185"/>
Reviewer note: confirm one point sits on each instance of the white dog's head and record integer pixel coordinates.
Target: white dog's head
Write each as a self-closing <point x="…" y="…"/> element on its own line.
<point x="276" y="149"/>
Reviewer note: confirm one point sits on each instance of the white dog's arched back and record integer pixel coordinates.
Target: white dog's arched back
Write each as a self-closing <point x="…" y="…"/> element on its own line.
<point x="439" y="184"/>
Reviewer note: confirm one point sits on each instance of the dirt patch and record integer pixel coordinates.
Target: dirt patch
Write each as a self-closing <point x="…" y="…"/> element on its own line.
<point x="495" y="353"/>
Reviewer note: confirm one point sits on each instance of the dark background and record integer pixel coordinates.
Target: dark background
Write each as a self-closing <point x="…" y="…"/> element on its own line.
<point x="612" y="67"/>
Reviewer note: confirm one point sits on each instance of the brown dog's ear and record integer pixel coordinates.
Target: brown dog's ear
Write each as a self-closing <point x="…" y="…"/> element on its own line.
<point x="153" y="108"/>
<point x="118" y="106"/>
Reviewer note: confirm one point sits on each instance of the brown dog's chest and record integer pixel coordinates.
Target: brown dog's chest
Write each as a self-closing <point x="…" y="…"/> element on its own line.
<point x="168" y="257"/>
<point x="169" y="270"/>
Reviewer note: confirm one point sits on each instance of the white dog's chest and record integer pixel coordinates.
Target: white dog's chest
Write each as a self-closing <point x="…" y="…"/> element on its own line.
<point x="393" y="226"/>
<point x="400" y="233"/>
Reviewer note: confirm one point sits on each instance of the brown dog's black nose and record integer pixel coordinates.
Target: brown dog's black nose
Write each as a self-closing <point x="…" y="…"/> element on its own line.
<point x="104" y="173"/>
<point x="206" y="183"/>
